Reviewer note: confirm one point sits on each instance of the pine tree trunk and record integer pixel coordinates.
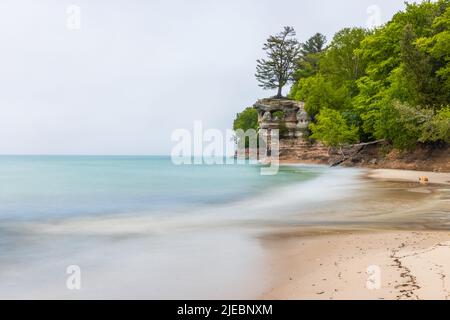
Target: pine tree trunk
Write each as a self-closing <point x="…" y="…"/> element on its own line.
<point x="279" y="94"/>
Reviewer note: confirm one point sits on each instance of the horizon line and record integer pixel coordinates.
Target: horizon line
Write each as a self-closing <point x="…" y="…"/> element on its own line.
<point x="84" y="154"/>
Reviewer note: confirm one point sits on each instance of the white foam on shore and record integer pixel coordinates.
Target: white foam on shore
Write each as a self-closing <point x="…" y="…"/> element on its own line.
<point x="203" y="254"/>
<point x="301" y="199"/>
<point x="208" y="253"/>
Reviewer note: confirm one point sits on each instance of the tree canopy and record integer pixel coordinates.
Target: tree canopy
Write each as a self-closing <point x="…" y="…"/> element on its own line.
<point x="310" y="51"/>
<point x="282" y="54"/>
<point x="247" y="121"/>
<point x="332" y="129"/>
<point x="390" y="83"/>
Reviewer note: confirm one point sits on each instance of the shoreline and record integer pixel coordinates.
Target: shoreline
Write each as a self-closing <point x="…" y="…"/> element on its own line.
<point x="422" y="158"/>
<point x="388" y="174"/>
<point x="366" y="166"/>
<point x="362" y="264"/>
<point x="409" y="175"/>
<point x="359" y="265"/>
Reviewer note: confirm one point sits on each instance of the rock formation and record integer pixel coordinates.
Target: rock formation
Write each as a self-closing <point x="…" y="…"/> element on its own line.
<point x="292" y="121"/>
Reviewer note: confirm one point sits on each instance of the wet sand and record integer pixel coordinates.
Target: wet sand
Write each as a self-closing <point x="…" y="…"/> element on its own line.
<point x="310" y="240"/>
<point x="409" y="175"/>
<point x="360" y="265"/>
<point x="363" y="262"/>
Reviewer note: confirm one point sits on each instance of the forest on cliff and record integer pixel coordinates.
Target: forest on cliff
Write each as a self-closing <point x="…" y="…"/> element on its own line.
<point x="390" y="83"/>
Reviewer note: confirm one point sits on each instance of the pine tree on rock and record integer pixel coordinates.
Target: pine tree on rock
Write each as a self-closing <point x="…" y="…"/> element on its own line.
<point x="283" y="52"/>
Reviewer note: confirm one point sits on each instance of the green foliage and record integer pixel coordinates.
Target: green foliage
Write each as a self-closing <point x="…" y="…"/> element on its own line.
<point x="372" y="79"/>
<point x="417" y="70"/>
<point x="313" y="45"/>
<point x="341" y="63"/>
<point x="437" y="47"/>
<point x="400" y="124"/>
<point x="334" y="82"/>
<point x="280" y="116"/>
<point x="405" y="125"/>
<point x="247" y="121"/>
<point x="282" y="54"/>
<point x="307" y="66"/>
<point x="318" y="93"/>
<point x="437" y="128"/>
<point x="310" y="53"/>
<point x="332" y="129"/>
<point x="389" y="83"/>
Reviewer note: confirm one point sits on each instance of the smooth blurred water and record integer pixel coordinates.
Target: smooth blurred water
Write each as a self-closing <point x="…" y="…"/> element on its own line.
<point x="142" y="227"/>
<point x="42" y="187"/>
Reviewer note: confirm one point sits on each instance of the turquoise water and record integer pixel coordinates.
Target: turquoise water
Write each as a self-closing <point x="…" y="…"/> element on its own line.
<point x="139" y="227"/>
<point x="143" y="228"/>
<point x="45" y="187"/>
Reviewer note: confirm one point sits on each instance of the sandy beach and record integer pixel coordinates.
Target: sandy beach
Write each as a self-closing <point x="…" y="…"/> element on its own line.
<point x="309" y="232"/>
<point x="353" y="263"/>
<point x="409" y="175"/>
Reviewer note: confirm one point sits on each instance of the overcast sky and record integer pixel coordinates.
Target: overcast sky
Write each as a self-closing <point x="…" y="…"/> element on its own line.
<point x="134" y="71"/>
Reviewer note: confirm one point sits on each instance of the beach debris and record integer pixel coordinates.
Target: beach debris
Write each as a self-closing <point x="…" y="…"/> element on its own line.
<point x="424" y="180"/>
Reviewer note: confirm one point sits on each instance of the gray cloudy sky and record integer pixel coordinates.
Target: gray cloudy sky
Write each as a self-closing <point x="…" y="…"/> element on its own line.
<point x="137" y="70"/>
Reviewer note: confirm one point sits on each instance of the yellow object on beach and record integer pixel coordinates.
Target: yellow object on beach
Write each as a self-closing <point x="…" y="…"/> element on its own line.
<point x="424" y="180"/>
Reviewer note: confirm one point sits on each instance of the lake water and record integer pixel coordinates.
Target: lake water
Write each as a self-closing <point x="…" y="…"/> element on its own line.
<point x="142" y="227"/>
